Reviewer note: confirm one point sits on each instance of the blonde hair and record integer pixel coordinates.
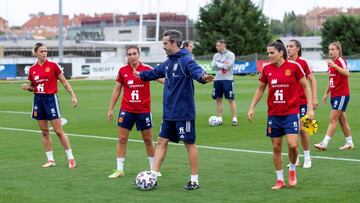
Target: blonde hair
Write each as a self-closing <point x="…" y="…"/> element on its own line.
<point x="36" y="47"/>
<point x="337" y="44"/>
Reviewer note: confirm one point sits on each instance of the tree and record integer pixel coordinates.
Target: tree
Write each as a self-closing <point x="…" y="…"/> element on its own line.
<point x="277" y="27"/>
<point x="293" y="24"/>
<point x="342" y="28"/>
<point x="239" y="22"/>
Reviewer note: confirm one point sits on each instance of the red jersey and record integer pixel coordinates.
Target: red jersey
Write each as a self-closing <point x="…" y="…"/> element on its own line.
<point x="306" y="68"/>
<point x="283" y="99"/>
<point x="338" y="84"/>
<point x="136" y="96"/>
<point x="44" y="77"/>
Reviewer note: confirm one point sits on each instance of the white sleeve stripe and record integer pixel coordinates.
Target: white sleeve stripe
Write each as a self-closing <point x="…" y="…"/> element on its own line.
<point x="343" y="63"/>
<point x="307" y="63"/>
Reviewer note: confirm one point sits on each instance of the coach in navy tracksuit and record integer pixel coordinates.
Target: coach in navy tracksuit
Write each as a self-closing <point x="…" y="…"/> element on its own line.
<point x="178" y="123"/>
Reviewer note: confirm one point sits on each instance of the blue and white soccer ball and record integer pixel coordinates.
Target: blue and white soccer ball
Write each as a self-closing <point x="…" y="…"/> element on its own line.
<point x="214" y="121"/>
<point x="145" y="180"/>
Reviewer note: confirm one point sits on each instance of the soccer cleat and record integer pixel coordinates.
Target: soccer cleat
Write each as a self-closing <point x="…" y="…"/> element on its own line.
<point x="307" y="163"/>
<point x="279" y="185"/>
<point x="292" y="178"/>
<point x="72" y="163"/>
<point x="116" y="174"/>
<point x="234" y="123"/>
<point x="320" y="146"/>
<point x="49" y="164"/>
<point x="347" y="146"/>
<point x="191" y="186"/>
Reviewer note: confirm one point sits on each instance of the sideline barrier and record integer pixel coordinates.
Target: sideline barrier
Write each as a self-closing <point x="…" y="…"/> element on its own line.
<point x="7" y="71"/>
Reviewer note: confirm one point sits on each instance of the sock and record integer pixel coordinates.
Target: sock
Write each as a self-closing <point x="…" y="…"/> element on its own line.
<point x="194" y="178"/>
<point x="155" y="173"/>
<point x="326" y="140"/>
<point x="50" y="155"/>
<point x="151" y="161"/>
<point x="292" y="167"/>
<point x="307" y="154"/>
<point x="120" y="163"/>
<point x="69" y="154"/>
<point x="280" y="175"/>
<point x="234" y="119"/>
<point x="348" y="140"/>
<point x="220" y="119"/>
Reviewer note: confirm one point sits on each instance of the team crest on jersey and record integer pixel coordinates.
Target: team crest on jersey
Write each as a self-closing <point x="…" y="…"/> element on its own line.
<point x="47" y="69"/>
<point x="175" y="67"/>
<point x="287" y="72"/>
<point x="274" y="81"/>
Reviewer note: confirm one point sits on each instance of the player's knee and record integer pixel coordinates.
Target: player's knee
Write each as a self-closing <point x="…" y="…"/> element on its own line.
<point x="292" y="146"/>
<point x="123" y="140"/>
<point x="148" y="141"/>
<point x="45" y="132"/>
<point x="332" y="120"/>
<point x="277" y="148"/>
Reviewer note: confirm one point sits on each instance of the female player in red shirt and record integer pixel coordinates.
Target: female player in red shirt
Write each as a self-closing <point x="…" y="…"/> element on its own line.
<point x="43" y="76"/>
<point x="295" y="54"/>
<point x="135" y="108"/>
<point x="338" y="87"/>
<point x="282" y="77"/>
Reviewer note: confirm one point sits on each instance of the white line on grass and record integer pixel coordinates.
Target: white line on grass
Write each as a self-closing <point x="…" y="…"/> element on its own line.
<point x="199" y="146"/>
<point x="16" y="112"/>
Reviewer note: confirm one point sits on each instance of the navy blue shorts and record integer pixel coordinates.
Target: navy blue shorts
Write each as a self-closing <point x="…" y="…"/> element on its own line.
<point x="127" y="120"/>
<point x="278" y="126"/>
<point x="223" y="88"/>
<point x="339" y="103"/>
<point x="177" y="131"/>
<point x="46" y="107"/>
<point x="303" y="110"/>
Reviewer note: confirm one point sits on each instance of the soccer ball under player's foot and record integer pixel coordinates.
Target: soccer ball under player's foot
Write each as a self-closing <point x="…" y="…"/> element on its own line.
<point x="146" y="180"/>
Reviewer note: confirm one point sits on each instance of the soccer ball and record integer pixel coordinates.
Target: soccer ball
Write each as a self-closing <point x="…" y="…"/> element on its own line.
<point x="145" y="180"/>
<point x="213" y="121"/>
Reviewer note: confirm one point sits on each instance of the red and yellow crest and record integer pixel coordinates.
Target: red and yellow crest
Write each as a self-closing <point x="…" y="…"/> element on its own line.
<point x="120" y="120"/>
<point x="47" y="69"/>
<point x="35" y="113"/>
<point x="287" y="72"/>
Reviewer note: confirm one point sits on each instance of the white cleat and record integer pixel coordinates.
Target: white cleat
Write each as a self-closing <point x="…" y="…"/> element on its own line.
<point x="49" y="164"/>
<point x="320" y="146"/>
<point x="347" y="147"/>
<point x="307" y="163"/>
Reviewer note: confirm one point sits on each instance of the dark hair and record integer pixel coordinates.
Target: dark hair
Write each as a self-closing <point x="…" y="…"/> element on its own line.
<point x="298" y="45"/>
<point x="174" y="36"/>
<point x="222" y="41"/>
<point x="279" y="45"/>
<point x="186" y="44"/>
<point x="132" y="47"/>
<point x="337" y="44"/>
<point x="37" y="46"/>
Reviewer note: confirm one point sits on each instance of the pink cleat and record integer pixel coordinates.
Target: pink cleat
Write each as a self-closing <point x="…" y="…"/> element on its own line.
<point x="292" y="178"/>
<point x="72" y="163"/>
<point x="279" y="185"/>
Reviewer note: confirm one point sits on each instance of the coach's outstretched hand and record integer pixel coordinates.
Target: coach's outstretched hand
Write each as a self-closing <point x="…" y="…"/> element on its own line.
<point x="207" y="78"/>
